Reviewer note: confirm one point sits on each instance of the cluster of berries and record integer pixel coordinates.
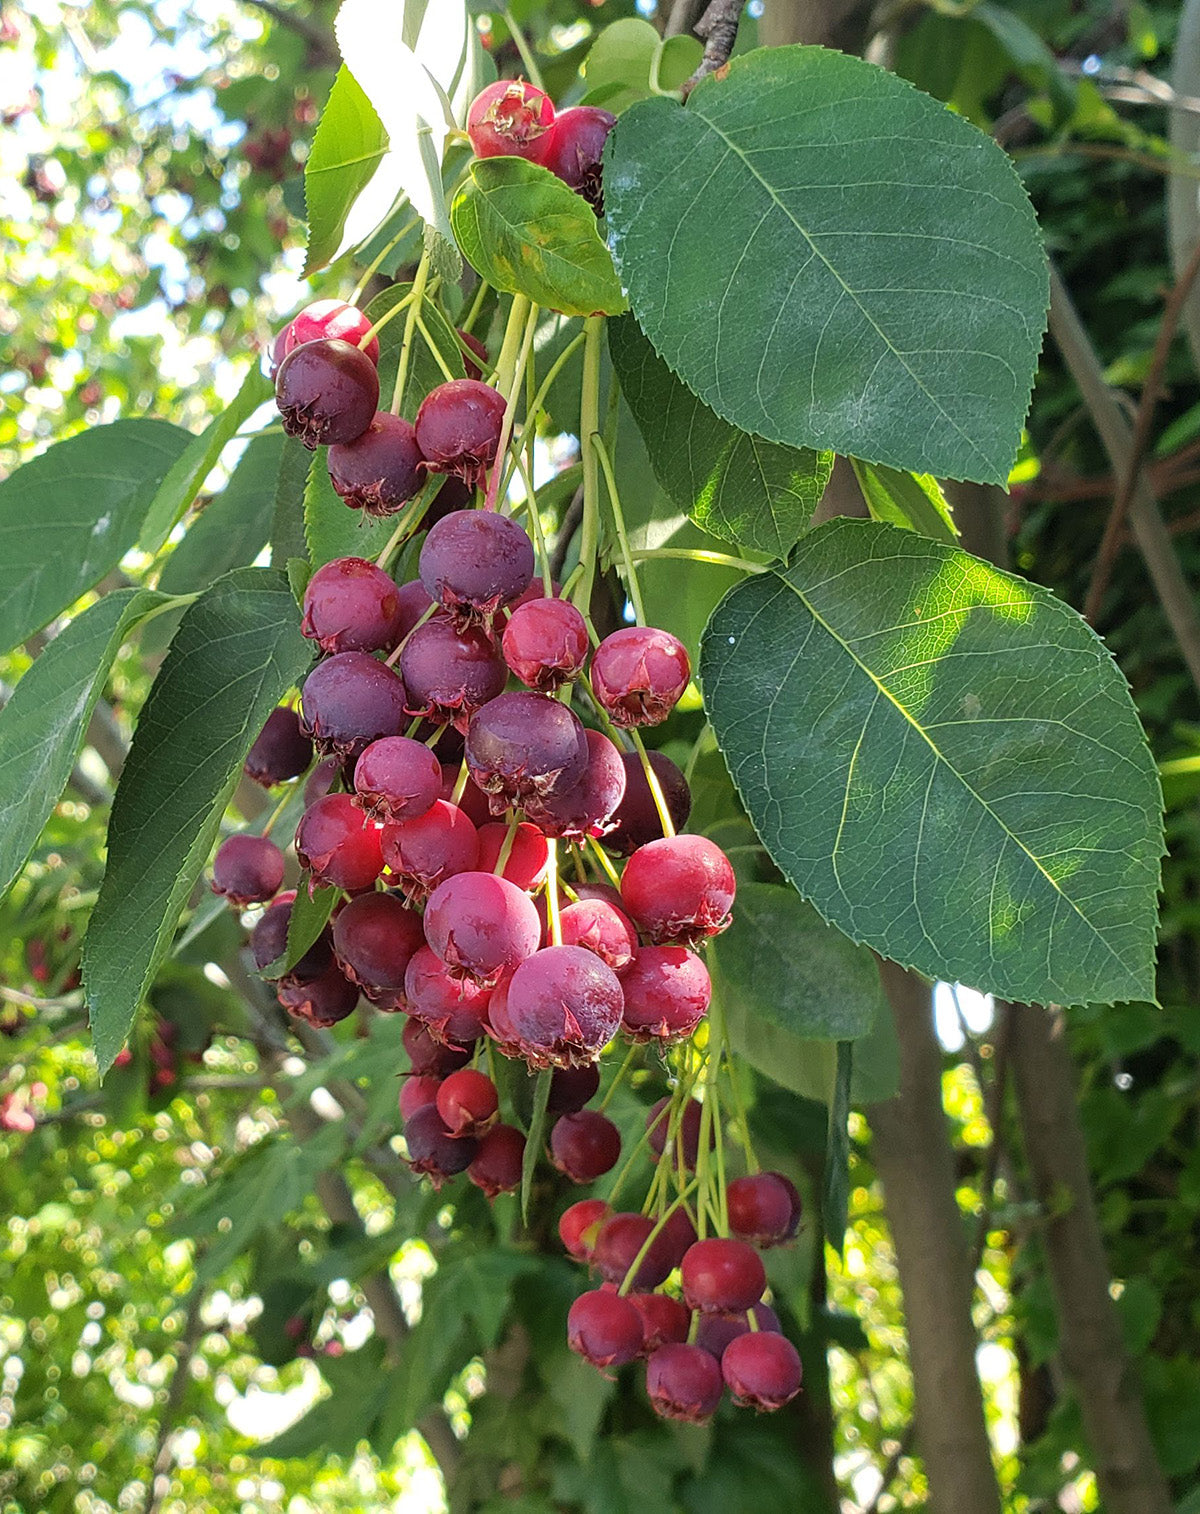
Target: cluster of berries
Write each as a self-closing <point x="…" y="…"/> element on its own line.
<point x="512" y="119"/>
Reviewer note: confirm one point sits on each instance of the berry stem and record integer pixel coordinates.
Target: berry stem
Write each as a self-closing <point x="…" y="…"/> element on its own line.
<point x="385" y="319"/>
<point x="535" y="522"/>
<point x="660" y="799"/>
<point x="394" y="655"/>
<point x="273" y="817"/>
<point x="695" y="554"/>
<point x="408" y="521"/>
<point x="527" y="58"/>
<point x="460" y="783"/>
<point x="533" y="410"/>
<point x="420" y="279"/>
<point x="743" y="1124"/>
<point x="552" y="893"/>
<point x="621" y="1071"/>
<point x="510" y="408"/>
<point x="618" y="515"/>
<point x="631" y="1272"/>
<point x="506" y="845"/>
<point x="357" y="293"/>
<point x="606" y="866"/>
<point x="435" y="350"/>
<point x="506" y="363"/>
<point x="473" y="315"/>
<point x="589" y="426"/>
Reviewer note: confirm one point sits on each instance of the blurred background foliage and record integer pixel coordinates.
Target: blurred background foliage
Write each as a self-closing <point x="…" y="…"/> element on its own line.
<point x="151" y="165"/>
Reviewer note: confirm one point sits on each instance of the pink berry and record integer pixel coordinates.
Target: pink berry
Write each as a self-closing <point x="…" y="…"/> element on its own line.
<point x="604" y="1328"/>
<point x="458" y="430"/>
<point x="247" y="869"/>
<point x="350" y="605"/>
<point x="422" y="853"/>
<point x="454" y="1009"/>
<point x="684" y="1382"/>
<point x="338" y="844"/>
<point x="375" y="937"/>
<point x="564" y="1005"/>
<point x="764" y="1207"/>
<point x="496" y="1167"/>
<point x="664" y="1319"/>
<point x="397" y="779"/>
<point x="618" y="1245"/>
<point x="327" y="391"/>
<point x="509" y="119"/>
<point x="330" y="318"/>
<point x="481" y="926"/>
<point x="679" y="889"/>
<point x="585" y="1145"/>
<point x="667" y="991"/>
<point x="599" y="927"/>
<point x="546" y="643"/>
<point x="580" y="1225"/>
<point x="639" y="674"/>
<point x="281" y="750"/>
<point x="721" y="1275"/>
<point x="761" y="1370"/>
<point x="468" y="1102"/>
<point x="474" y="562"/>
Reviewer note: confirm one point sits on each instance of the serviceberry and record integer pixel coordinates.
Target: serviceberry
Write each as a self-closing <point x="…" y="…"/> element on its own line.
<point x="715" y="1331"/>
<point x="605" y="1329"/>
<point x="761" y="1370"/>
<point x="585" y="1145"/>
<point x="573" y="150"/>
<point x="417" y="1091"/>
<point x="330" y="318"/>
<point x="374" y="938"/>
<point x="338" y="844"/>
<point x="638" y="675"/>
<point x="564" y="1005"/>
<point x="415" y="606"/>
<point x="573" y="1087"/>
<point x="600" y="927"/>
<point x="468" y="1102"/>
<point x="722" y="1276"/>
<point x="684" y="1382"/>
<point x="454" y="1009"/>
<point x="636" y="820"/>
<point x="268" y="942"/>
<point x="475" y="562"/>
<point x="321" y="1001"/>
<point x="764" y="1207"/>
<point x="509" y="119"/>
<point x="667" y="991"/>
<point x="397" y="779"/>
<point x="586" y="808"/>
<point x="527" y="859"/>
<point x="432" y="1150"/>
<point x="525" y="745"/>
<point x="545" y="643"/>
<point x="422" y="853"/>
<point x="247" y="869"/>
<point x="379" y="471"/>
<point x="664" y="1319"/>
<point x="281" y="750"/>
<point x="430" y="1058"/>
<point x="350" y="700"/>
<point x="450" y="674"/>
<point x="496" y="1167"/>
<point x="323" y="779"/>
<point x="472" y="800"/>
<point x="473" y="370"/>
<point x="481" y="925"/>
<point x="458" y="429"/>
<point x="679" y="889"/>
<point x="327" y="392"/>
<point x="580" y="1225"/>
<point x="350" y="605"/>
<point x="617" y="1246"/>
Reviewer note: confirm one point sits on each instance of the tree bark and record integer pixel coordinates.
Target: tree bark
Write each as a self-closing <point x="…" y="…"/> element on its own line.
<point x="913" y="1157"/>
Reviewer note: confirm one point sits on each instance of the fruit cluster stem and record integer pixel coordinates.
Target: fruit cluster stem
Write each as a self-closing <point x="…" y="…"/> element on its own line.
<point x="417" y="294"/>
<point x="589" y="426"/>
<point x="511" y="398"/>
<point x="614" y="501"/>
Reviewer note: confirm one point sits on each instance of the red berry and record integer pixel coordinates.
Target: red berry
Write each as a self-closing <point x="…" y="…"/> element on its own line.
<point x="350" y="605"/>
<point x="468" y="1102"/>
<point x="675" y="1237"/>
<point x="338" y="844"/>
<point x="379" y="471"/>
<point x="546" y="643"/>
<point x="472" y="801"/>
<point x="422" y="853"/>
<point x="679" y="889"/>
<point x="432" y="1150"/>
<point x="586" y="808"/>
<point x="585" y="1145"/>
<point x="573" y="150"/>
<point x="397" y="779"/>
<point x="450" y="674"/>
<point x="454" y="1009"/>
<point x="563" y="1005"/>
<point x="509" y="119"/>
<point x="527" y="859"/>
<point x="618" y="1244"/>
<point x="639" y="673"/>
<point x="330" y="318"/>
<point x="247" y="869"/>
<point x="721" y="1275"/>
<point x="281" y="750"/>
<point x="667" y="991"/>
<point x="715" y="1331"/>
<point x="375" y="937"/>
<point x="599" y="927"/>
<point x="350" y="700"/>
<point x="268" y="942"/>
<point x="664" y="1319"/>
<point x="416" y="1092"/>
<point x="684" y="1382"/>
<point x="580" y="1225"/>
<point x="761" y="1370"/>
<point x="573" y="1087"/>
<point x="321" y="1001"/>
<point x="497" y="1165"/>
<point x="481" y="925"/>
<point x="764" y="1208"/>
<point x="604" y="1328"/>
<point x="474" y="562"/>
<point x="636" y="819"/>
<point x="458" y="430"/>
<point x="477" y="347"/>
<point x="431" y="1058"/>
<point x="525" y="745"/>
<point x="326" y="391"/>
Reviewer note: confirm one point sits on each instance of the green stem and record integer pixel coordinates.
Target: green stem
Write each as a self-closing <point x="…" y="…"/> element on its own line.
<point x="614" y="501"/>
<point x="473" y="314"/>
<point x="694" y="554"/>
<point x="621" y="1071"/>
<point x="589" y="426"/>
<point x="601" y="857"/>
<point x="408" y="521"/>
<point x="534" y="409"/>
<point x="660" y="799"/>
<point x="716" y="1017"/>
<point x="527" y="58"/>
<point x="435" y="350"/>
<point x="552" y="894"/>
<point x="535" y="522"/>
<point x="385" y="319"/>
<point x="627" y="1281"/>
<point x="510" y="407"/>
<point x="460" y="783"/>
<point x="506" y="845"/>
<point x="514" y="330"/>
<point x="417" y="294"/>
<point x="396" y="240"/>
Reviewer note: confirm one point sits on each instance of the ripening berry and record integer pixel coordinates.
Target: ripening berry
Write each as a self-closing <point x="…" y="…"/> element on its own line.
<point x="322" y="1001"/>
<point x="281" y="750"/>
<point x="600" y="927"/>
<point x="679" y="889"/>
<point x="374" y="938"/>
<point x="621" y="1239"/>
<point x="458" y="430"/>
<point x="472" y="801"/>
<point x="481" y="926"/>
<point x="764" y="1208"/>
<point x="329" y="318"/>
<point x="585" y="1145"/>
<point x="350" y="605"/>
<point x="468" y="1102"/>
<point x="450" y="674"/>
<point x="580" y="1225"/>
<point x="417" y="1091"/>
<point x="421" y="854"/>
<point x="715" y="1331"/>
<point x="509" y="119"/>
<point x="586" y="808"/>
<point x="676" y="1236"/>
<point x="268" y="942"/>
<point x="604" y="1328"/>
<point x="496" y="1167"/>
<point x="762" y="1370"/>
<point x="323" y="779"/>
<point x="415" y="606"/>
<point x="684" y="1382"/>
<point x="327" y="392"/>
<point x="338" y="844"/>
<point x="523" y="746"/>
<point x="722" y="1275"/>
<point x="667" y="991"/>
<point x="545" y="643"/>
<point x="350" y="700"/>
<point x="247" y="869"/>
<point x="573" y="150"/>
<point x="433" y="1151"/>
<point x="639" y="674"/>
<point x="528" y="856"/>
<point x="431" y="1058"/>
<point x="454" y="1009"/>
<point x="397" y="779"/>
<point x="664" y="1319"/>
<point x="636" y="820"/>
<point x="473" y="370"/>
<point x="474" y="562"/>
<point x="563" y="1005"/>
<point x="379" y="471"/>
<point x="573" y="1087"/>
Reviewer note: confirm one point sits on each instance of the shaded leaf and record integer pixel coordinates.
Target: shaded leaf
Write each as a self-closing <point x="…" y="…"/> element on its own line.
<point x="331" y="528"/>
<point x="287" y="523"/>
<point x="835" y="1185"/>
<point x="233" y="527"/>
<point x="912" y="501"/>
<point x="535" y="1139"/>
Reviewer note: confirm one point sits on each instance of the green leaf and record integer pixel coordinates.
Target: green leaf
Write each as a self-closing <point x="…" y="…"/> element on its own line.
<point x="946" y="761"/>
<point x="829" y="258"/>
<point x="535" y="1138"/>
<point x="70" y="515"/>
<point x="347" y="149"/>
<point x="736" y="486"/>
<point x="237" y="651"/>
<point x="42" y="726"/>
<point x="309" y="917"/>
<point x="331" y="528"/>
<point x="912" y="501"/>
<point x="186" y="477"/>
<point x="525" y="232"/>
<point x="617" y="68"/>
<point x="287" y="524"/>
<point x="677" y="60"/>
<point x="835" y="1186"/>
<point x="424" y="370"/>
<point x="233" y="527"/>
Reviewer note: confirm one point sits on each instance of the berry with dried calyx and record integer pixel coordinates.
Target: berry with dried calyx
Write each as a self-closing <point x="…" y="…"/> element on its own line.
<point x="545" y="642"/>
<point x="350" y="605"/>
<point x="722" y="1276"/>
<point x="679" y="889"/>
<point x="509" y="119"/>
<point x="475" y="562"/>
<point x="454" y="1009"/>
<point x="572" y="1087"/>
<point x="247" y="869"/>
<point x="605" y="1329"/>
<point x="600" y="927"/>
<point x="639" y="674"/>
<point x="468" y="1103"/>
<point x="350" y="700"/>
<point x="322" y="1001"/>
<point x="586" y="808"/>
<point x="764" y="1208"/>
<point x="585" y="1145"/>
<point x="327" y="392"/>
<point x="432" y="1150"/>
<point x="379" y="471"/>
<point x="329" y="318"/>
<point x="664" y="1319"/>
<point x="524" y="746"/>
<point x="573" y="150"/>
<point x="667" y="992"/>
<point x="762" y="1370"/>
<point x="715" y="1331"/>
<point x="481" y="926"/>
<point x="431" y="1058"/>
<point x="581" y="1224"/>
<point x="636" y="820"/>
<point x="397" y="779"/>
<point x="374" y="938"/>
<point x="684" y="1382"/>
<point x="420" y="854"/>
<point x="268" y="942"/>
<point x="450" y="674"/>
<point x="528" y="856"/>
<point x="338" y="844"/>
<point x="281" y="750"/>
<point x="496" y="1167"/>
<point x="563" y="1006"/>
<point x="458" y="429"/>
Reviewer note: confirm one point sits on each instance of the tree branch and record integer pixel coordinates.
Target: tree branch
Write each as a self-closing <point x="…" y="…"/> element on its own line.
<point x="160" y="1477"/>
<point x="322" y="43"/>
<point x="718" y="26"/>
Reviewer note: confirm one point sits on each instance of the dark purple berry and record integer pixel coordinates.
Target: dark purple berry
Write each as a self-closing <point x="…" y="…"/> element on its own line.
<point x="586" y="808"/>
<point x="715" y="1331"/>
<point x="397" y="779"/>
<point x="573" y="1087"/>
<point x="458" y="429"/>
<point x="481" y="926"/>
<point x="268" y="942"/>
<point x="281" y="750"/>
<point x="380" y="471"/>
<point x="664" y="1319"/>
<point x="761" y="1370"/>
<point x="605" y="1329"/>
<point x="679" y="889"/>
<point x="722" y="1276"/>
<point x="639" y="674"/>
<point x="524" y="745"/>
<point x="450" y="674"/>
<point x="327" y="392"/>
<point x="430" y="1058"/>
<point x="350" y="605"/>
<point x="321" y="1001"/>
<point x="338" y="844"/>
<point x="415" y="606"/>
<point x="247" y="869"/>
<point x="684" y="1382"/>
<point x="475" y="562"/>
<point x="564" y="1006"/>
<point x="667" y="991"/>
<point x="545" y="643"/>
<point x="618" y="1246"/>
<point x="585" y="1145"/>
<point x="375" y="937"/>
<point x="432" y="1150"/>
<point x="573" y="150"/>
<point x="498" y="1163"/>
<point x="350" y="700"/>
<point x="323" y="779"/>
<point x="422" y="853"/>
<point x="636" y="819"/>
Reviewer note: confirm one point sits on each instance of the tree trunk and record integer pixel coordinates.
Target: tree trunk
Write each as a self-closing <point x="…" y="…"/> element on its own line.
<point x="914" y="1159"/>
<point x="832" y="23"/>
